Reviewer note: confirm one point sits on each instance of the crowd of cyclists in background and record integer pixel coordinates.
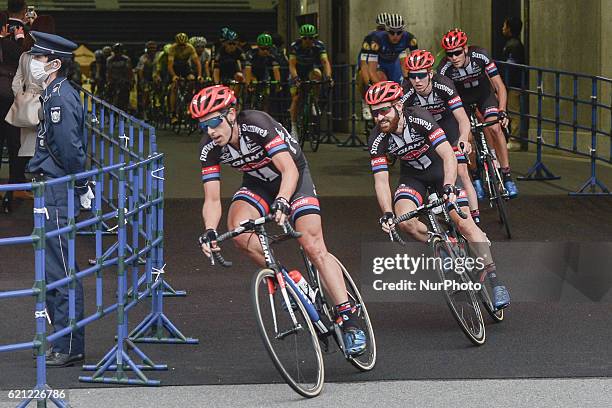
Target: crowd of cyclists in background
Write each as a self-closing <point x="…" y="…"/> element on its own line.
<point x="167" y="76"/>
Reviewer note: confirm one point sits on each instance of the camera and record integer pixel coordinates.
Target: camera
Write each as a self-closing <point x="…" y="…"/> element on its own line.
<point x="31" y="12"/>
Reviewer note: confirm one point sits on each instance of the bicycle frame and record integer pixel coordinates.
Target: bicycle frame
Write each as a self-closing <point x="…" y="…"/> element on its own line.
<point x="483" y="153"/>
<point x="281" y="275"/>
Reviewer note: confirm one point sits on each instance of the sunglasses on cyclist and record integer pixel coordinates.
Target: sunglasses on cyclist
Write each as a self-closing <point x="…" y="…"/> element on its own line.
<point x="264" y="48"/>
<point x="381" y="111"/>
<point x="417" y="75"/>
<point x="212" y="122"/>
<point x="231" y="43"/>
<point x="454" y="53"/>
<point x="308" y="38"/>
<point x="393" y="32"/>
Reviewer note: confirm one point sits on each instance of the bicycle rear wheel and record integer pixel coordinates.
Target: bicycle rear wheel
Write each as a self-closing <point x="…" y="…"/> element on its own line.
<point x="464" y="250"/>
<point x="295" y="351"/>
<point x="496" y="195"/>
<point x="367" y="360"/>
<point x="462" y="303"/>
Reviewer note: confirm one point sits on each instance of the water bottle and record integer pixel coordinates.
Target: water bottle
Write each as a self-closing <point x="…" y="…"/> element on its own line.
<point x="303" y="285"/>
<point x="434" y="197"/>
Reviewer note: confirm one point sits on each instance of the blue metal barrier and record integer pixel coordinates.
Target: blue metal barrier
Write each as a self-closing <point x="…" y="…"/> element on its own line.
<point x="586" y="117"/>
<point x="128" y="175"/>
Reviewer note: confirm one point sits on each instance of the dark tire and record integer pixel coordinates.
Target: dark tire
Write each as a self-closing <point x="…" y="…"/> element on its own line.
<point x="315" y="129"/>
<point x="367" y="360"/>
<point x="296" y="354"/>
<point x="496" y="195"/>
<point x="484" y="295"/>
<point x="463" y="304"/>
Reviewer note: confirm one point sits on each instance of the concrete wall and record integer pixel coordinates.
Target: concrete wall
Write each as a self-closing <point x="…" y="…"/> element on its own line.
<point x="428" y="20"/>
<point x="566" y="35"/>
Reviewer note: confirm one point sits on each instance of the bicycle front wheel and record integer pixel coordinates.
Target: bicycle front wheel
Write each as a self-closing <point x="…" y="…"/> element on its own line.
<point x="496" y="195"/>
<point x="315" y="127"/>
<point x="292" y="346"/>
<point x="459" y="295"/>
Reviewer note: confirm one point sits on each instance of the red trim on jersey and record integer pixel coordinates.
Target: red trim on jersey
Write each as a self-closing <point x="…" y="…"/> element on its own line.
<point x="436" y="135"/>
<point x="211" y="169"/>
<point x="277" y="141"/>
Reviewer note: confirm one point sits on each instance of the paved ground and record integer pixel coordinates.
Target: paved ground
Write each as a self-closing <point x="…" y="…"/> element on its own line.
<point x="533" y="393"/>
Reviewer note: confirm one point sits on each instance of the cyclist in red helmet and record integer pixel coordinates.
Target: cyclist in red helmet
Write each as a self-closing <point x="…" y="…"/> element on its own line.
<point x="473" y="73"/>
<point x="276" y="179"/>
<point x="427" y="162"/>
<point x="438" y="95"/>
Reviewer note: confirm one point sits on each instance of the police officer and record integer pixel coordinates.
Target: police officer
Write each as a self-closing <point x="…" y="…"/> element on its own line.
<point x="61" y="149"/>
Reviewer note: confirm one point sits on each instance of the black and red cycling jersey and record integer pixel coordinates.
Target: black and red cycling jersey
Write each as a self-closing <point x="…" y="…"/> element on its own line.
<point x="441" y="101"/>
<point x="472" y="80"/>
<point x="415" y="147"/>
<point x="261" y="137"/>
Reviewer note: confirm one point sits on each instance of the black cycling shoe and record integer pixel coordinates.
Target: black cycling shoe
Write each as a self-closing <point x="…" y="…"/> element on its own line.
<point x="64" y="360"/>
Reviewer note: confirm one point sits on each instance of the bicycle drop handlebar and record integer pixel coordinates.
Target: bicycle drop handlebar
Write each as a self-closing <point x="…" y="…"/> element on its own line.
<point x="249" y="226"/>
<point x="421" y="210"/>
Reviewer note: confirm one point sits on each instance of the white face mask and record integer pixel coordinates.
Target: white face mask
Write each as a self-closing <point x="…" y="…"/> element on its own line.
<point x="38" y="69"/>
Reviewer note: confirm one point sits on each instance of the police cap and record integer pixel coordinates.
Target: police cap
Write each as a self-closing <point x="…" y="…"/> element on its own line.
<point x="51" y="44"/>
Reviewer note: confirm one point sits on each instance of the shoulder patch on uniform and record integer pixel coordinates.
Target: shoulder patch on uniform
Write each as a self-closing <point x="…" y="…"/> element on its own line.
<point x="56" y="114"/>
<point x="374" y="46"/>
<point x="413" y="42"/>
<point x="366" y="45"/>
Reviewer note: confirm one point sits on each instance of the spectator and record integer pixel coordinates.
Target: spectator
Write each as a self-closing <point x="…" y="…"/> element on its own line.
<point x="11" y="45"/>
<point x="513" y="52"/>
<point x="26" y="87"/>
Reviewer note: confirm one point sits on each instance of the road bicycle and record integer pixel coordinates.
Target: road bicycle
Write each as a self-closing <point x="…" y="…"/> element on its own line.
<point x="457" y="278"/>
<point x="309" y="121"/>
<point x="296" y="321"/>
<point x="489" y="173"/>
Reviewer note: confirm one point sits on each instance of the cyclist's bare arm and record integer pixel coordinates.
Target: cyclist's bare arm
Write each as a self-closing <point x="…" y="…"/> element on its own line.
<point x="364" y="71"/>
<point x="211" y="209"/>
<point x="171" y="66"/>
<point x="373" y="71"/>
<point x="289" y="174"/>
<point x="217" y="75"/>
<point x="327" y="71"/>
<point x="402" y="59"/>
<point x="383" y="191"/>
<point x="445" y="151"/>
<point x="292" y="66"/>
<point x="276" y="73"/>
<point x="207" y="68"/>
<point x="464" y="128"/>
<point x="500" y="90"/>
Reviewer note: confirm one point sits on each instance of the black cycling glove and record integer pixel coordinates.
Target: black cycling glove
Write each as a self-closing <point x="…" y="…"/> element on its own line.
<point x="209" y="236"/>
<point x="281" y="204"/>
<point x="386" y="217"/>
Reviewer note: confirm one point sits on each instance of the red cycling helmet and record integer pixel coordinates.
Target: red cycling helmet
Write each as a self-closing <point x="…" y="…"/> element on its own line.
<point x="385" y="91"/>
<point x="419" y="59"/>
<point x="211" y="99"/>
<point x="455" y="38"/>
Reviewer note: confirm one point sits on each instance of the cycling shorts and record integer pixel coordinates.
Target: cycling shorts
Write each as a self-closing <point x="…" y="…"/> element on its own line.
<point x="486" y="103"/>
<point x="302" y="74"/>
<point x="414" y="187"/>
<point x="261" y="195"/>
